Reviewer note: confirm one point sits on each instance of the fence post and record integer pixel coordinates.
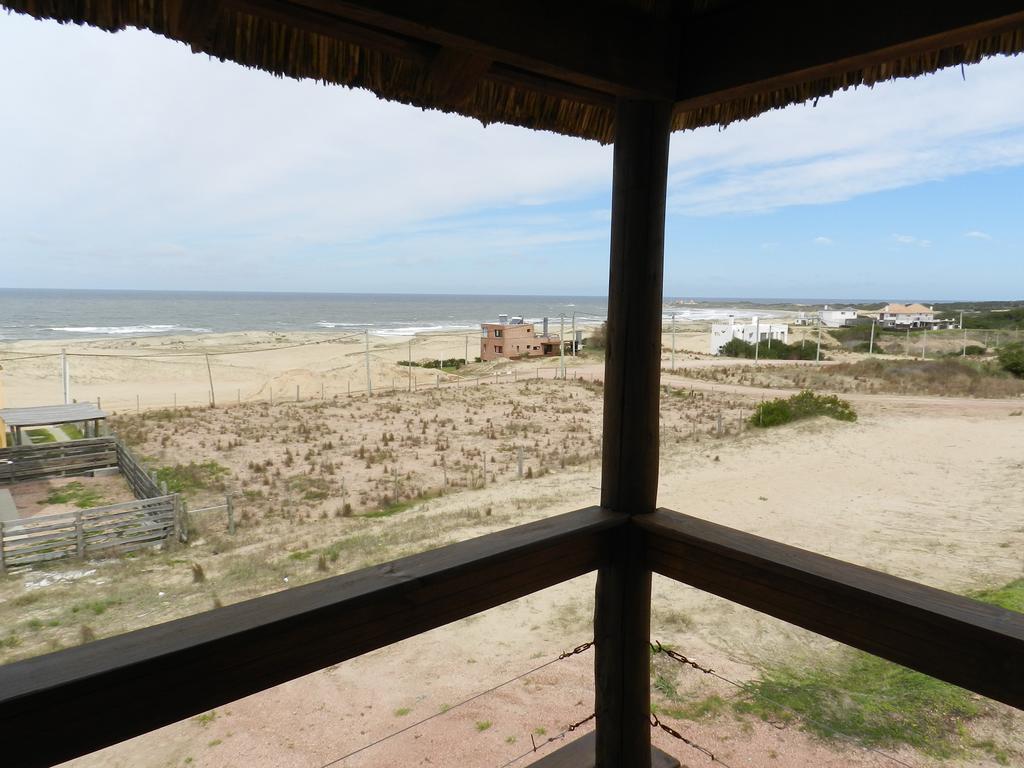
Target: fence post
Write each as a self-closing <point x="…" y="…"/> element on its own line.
<point x="79" y="535"/>
<point x="178" y="512"/>
<point x="229" y="500"/>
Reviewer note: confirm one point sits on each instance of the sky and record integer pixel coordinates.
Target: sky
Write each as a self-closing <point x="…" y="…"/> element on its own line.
<point x="129" y="162"/>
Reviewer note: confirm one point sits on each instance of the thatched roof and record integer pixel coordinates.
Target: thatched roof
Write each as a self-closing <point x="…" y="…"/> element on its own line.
<point x="719" y="60"/>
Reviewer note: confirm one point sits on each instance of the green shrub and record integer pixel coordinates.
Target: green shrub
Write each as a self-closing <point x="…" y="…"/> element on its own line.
<point x="1011" y="358"/>
<point x="855" y="335"/>
<point x="38" y="436"/>
<point x="183" y="478"/>
<point x="991" y="320"/>
<point x="875" y="702"/>
<point x="598" y="338"/>
<point x="777" y="351"/>
<point x="804" y="405"/>
<point x="75" y="493"/>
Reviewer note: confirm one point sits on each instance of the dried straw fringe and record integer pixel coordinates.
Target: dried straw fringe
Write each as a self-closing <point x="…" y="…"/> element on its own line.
<point x="288" y="52"/>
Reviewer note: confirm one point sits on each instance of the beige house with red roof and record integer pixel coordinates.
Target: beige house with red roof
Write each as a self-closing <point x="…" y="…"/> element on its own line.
<point x="908" y="316"/>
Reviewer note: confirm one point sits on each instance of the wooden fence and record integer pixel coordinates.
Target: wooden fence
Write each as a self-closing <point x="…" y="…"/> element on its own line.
<point x="37" y="462"/>
<point x="153" y="516"/>
<point x="143" y="484"/>
<point x="113" y="529"/>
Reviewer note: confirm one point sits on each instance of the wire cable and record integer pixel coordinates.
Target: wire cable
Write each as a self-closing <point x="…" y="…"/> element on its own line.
<point x="577" y="650"/>
<point x="657" y="647"/>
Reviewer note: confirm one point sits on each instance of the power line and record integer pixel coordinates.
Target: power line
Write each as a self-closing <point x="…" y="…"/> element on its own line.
<point x="557" y="737"/>
<point x="656" y="723"/>
<point x="28" y="357"/>
<point x="566" y="654"/>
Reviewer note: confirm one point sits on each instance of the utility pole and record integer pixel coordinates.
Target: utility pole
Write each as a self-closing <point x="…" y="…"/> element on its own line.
<point x="3" y="426"/>
<point x="757" y="338"/>
<point x="574" y="334"/>
<point x="410" y="364"/>
<point x="908" y="352"/>
<point x="673" y="341"/>
<point x="65" y="375"/>
<point x="924" y="344"/>
<point x="369" y="382"/>
<point x="817" y="354"/>
<point x="209" y="372"/>
<point x="561" y="347"/>
<point x="871" y="344"/>
<point x="961" y="319"/>
<point x="964" y="353"/>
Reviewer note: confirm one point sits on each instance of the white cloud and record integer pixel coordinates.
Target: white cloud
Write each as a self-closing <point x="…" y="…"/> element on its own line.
<point x="911" y="240"/>
<point x="977" y="234"/>
<point x="895" y="135"/>
<point x="132" y="136"/>
<point x="154" y="156"/>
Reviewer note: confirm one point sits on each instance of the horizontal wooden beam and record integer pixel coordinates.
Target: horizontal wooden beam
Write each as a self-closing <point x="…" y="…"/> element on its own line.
<point x="79" y="700"/>
<point x="753" y="47"/>
<point x="953" y="638"/>
<point x="329" y="24"/>
<point x="326" y="22"/>
<point x="613" y="48"/>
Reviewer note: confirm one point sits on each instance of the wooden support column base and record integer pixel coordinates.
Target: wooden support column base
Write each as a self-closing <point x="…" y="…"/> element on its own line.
<point x="580" y="754"/>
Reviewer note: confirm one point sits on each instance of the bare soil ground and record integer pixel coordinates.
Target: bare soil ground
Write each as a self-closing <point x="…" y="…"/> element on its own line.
<point x="31" y="498"/>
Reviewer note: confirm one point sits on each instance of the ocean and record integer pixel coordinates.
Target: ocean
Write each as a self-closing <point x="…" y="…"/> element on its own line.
<point x="69" y="314"/>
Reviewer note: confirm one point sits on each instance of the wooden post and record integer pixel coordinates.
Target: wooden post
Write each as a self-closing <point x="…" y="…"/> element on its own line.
<point x="209" y="372"/>
<point x="176" y="530"/>
<point x="182" y="521"/>
<point x="629" y="478"/>
<point x="230" y="502"/>
<point x="79" y="535"/>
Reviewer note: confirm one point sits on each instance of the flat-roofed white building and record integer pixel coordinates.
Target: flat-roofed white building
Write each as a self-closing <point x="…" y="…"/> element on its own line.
<point x="837" y="318"/>
<point x="723" y="333"/>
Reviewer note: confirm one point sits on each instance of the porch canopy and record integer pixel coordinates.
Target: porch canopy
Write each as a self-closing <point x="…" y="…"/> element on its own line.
<point x="47" y="415"/>
<point x="560" y="65"/>
<point x="622" y="71"/>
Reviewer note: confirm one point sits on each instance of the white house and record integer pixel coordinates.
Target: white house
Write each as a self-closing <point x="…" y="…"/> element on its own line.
<point x="907" y="316"/>
<point x="837" y="318"/>
<point x="723" y="333"/>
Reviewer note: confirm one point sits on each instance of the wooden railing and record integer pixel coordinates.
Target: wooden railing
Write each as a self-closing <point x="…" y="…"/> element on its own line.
<point x="113" y="529"/>
<point x="78" y="695"/>
<point x="37" y="462"/>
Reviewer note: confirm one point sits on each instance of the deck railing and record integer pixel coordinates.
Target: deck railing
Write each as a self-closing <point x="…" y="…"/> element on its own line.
<point x="210" y="659"/>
